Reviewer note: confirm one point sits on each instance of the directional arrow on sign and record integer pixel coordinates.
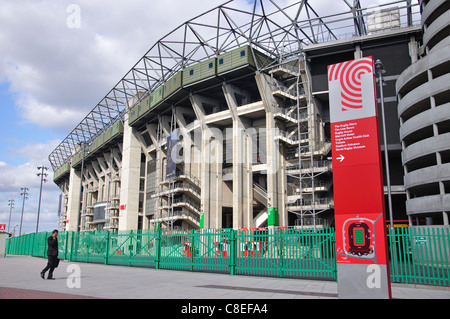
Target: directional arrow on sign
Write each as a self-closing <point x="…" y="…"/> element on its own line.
<point x="341" y="158"/>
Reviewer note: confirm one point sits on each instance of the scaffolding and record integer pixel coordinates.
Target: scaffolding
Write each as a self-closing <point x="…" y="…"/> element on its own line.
<point x="306" y="144"/>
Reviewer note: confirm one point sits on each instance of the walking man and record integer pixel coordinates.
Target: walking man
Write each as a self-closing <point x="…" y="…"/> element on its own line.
<point x="52" y="253"/>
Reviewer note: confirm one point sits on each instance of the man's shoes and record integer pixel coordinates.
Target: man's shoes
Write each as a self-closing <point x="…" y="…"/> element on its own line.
<point x="42" y="275"/>
<point x="50" y="278"/>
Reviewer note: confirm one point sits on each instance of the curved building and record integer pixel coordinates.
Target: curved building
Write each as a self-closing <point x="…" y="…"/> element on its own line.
<point x="424" y="110"/>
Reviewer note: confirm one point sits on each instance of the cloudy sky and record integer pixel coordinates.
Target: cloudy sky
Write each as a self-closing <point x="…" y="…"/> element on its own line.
<point x="58" y="59"/>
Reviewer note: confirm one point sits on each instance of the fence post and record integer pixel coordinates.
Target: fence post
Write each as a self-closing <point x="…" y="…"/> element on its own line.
<point x="233" y="252"/>
<point x="72" y="246"/>
<point x="130" y="248"/>
<point x="193" y="250"/>
<point x="281" y="251"/>
<point x="107" y="247"/>
<point x="158" y="247"/>
<point x="66" y="244"/>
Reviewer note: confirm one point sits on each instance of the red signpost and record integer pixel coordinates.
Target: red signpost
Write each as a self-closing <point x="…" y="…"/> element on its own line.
<point x="358" y="181"/>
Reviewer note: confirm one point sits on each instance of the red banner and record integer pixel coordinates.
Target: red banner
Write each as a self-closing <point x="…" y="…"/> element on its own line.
<point x="357" y="169"/>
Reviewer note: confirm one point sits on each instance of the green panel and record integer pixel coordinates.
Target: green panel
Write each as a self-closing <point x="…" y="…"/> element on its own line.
<point x="117" y="128"/>
<point x="97" y="143"/>
<point x="195" y="250"/>
<point x="64" y="169"/>
<point x="420" y="255"/>
<point x="199" y="71"/>
<point x="156" y="97"/>
<point x="133" y="115"/>
<point x="234" y="59"/>
<point x="240" y="57"/>
<point x="77" y="158"/>
<point x="144" y="106"/>
<point x="173" y="84"/>
<point x="107" y="135"/>
<point x="101" y="140"/>
<point x="93" y="146"/>
<point x="113" y="131"/>
<point x="272" y="219"/>
<point x="129" y="248"/>
<point x="87" y="152"/>
<point x="286" y="252"/>
<point x="90" y="246"/>
<point x="202" y="220"/>
<point x="262" y="59"/>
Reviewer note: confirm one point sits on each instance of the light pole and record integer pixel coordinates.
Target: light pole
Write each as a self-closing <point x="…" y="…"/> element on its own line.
<point x="43" y="180"/>
<point x="380" y="71"/>
<point x="25" y="196"/>
<point x="82" y="144"/>
<point x="11" y="207"/>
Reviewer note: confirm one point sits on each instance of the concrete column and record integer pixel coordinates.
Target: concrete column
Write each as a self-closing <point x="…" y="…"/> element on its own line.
<point x="276" y="175"/>
<point x="242" y="163"/>
<point x="73" y="200"/>
<point x="358" y="53"/>
<point x="129" y="191"/>
<point x="210" y="165"/>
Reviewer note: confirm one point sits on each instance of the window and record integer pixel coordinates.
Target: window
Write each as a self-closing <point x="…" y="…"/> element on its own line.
<point x="211" y="65"/>
<point x="191" y="72"/>
<point x="175" y="80"/>
<point x="242" y="53"/>
<point x="220" y="61"/>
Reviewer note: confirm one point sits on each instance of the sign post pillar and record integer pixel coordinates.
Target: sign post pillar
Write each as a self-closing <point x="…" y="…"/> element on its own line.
<point x="362" y="254"/>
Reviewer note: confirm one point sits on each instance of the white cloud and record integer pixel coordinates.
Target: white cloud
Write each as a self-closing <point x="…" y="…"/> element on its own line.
<point x="58" y="74"/>
<point x="14" y="178"/>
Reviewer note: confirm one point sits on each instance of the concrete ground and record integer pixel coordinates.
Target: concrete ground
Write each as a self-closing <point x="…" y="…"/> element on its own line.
<point x="19" y="279"/>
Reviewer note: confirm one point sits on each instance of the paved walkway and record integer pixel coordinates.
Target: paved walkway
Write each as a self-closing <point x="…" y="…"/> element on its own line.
<point x="19" y="278"/>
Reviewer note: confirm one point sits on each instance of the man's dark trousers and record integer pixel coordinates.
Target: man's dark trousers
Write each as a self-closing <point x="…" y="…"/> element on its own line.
<point x="52" y="253"/>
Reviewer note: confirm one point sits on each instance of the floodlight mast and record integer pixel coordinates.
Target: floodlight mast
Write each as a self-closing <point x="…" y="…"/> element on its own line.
<point x="41" y="174"/>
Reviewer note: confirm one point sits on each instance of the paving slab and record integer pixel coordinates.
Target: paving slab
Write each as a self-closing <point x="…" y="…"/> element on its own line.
<point x="19" y="278"/>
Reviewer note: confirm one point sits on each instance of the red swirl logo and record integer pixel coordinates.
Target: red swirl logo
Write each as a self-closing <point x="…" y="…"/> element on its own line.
<point x="349" y="75"/>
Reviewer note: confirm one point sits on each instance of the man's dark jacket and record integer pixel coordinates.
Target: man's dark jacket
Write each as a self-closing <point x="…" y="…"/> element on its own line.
<point x="52" y="247"/>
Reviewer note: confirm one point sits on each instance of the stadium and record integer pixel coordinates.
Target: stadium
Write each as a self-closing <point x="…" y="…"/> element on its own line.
<point x="225" y="122"/>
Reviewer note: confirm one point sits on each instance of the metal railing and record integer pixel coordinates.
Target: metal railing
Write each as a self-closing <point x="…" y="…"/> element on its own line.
<point x="417" y="255"/>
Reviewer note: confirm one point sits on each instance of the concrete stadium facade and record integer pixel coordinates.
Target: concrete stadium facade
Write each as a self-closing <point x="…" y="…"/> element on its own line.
<point x="238" y="139"/>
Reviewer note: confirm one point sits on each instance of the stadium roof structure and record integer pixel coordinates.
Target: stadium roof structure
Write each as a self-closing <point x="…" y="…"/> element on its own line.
<point x="279" y="32"/>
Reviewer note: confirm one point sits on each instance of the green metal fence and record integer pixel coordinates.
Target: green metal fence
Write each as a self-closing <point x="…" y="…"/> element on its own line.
<point x="417" y="255"/>
<point x="286" y="253"/>
<point x="420" y="255"/>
